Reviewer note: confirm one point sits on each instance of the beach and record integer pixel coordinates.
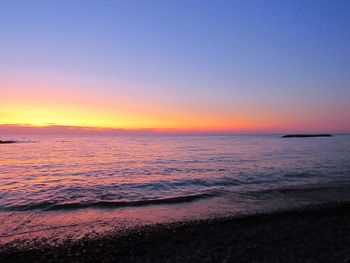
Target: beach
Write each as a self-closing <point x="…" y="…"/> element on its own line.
<point x="311" y="234"/>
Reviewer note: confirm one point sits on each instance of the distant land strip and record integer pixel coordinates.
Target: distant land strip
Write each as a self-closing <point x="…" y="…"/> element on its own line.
<point x="3" y="142"/>
<point x="305" y="135"/>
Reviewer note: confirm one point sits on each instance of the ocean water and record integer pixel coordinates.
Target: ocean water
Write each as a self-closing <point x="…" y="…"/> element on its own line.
<point x="90" y="184"/>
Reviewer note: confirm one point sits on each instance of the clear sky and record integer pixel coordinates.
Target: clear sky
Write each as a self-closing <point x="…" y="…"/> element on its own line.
<point x="184" y="65"/>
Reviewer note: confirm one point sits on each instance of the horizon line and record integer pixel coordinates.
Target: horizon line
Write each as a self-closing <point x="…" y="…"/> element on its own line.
<point x="52" y="128"/>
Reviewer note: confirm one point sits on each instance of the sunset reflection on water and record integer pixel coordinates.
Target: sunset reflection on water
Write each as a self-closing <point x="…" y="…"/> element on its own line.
<point x="77" y="185"/>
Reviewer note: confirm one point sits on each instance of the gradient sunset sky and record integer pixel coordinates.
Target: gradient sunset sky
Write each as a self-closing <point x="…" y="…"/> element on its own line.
<point x="240" y="66"/>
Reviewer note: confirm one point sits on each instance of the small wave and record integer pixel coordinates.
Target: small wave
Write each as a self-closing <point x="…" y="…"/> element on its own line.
<point x="312" y="192"/>
<point x="299" y="175"/>
<point x="48" y="206"/>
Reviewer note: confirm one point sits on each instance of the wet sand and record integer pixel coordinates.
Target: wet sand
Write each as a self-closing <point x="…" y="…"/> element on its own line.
<point x="311" y="234"/>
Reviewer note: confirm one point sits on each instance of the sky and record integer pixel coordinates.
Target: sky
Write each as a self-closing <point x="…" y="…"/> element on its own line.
<point x="232" y="66"/>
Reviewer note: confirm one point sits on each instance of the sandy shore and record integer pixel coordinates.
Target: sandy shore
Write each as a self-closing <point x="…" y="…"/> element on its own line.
<point x="312" y="234"/>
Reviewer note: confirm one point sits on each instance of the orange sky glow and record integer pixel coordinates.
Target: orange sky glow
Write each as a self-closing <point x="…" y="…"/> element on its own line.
<point x="44" y="104"/>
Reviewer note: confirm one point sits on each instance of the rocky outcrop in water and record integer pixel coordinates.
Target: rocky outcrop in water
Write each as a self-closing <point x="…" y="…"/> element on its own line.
<point x="305" y="135"/>
<point x="4" y="142"/>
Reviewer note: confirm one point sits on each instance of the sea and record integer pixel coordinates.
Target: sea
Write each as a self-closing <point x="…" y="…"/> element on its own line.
<point x="69" y="187"/>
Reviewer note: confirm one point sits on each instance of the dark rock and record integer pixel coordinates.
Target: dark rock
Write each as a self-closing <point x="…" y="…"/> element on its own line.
<point x="305" y="135"/>
<point x="3" y="142"/>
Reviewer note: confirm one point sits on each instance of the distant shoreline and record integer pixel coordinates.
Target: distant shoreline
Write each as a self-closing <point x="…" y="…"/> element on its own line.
<point x="311" y="234"/>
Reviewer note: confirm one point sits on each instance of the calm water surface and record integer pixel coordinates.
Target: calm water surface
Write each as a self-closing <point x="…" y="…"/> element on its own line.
<point x="93" y="183"/>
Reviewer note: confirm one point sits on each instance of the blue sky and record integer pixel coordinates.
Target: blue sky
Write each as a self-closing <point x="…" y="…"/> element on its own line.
<point x="205" y="57"/>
